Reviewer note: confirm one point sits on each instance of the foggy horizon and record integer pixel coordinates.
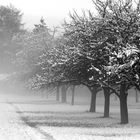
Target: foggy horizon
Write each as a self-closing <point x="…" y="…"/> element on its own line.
<point x="53" y="12"/>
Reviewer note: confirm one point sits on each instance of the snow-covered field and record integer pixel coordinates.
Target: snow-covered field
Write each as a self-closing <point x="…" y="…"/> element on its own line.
<point x="58" y="121"/>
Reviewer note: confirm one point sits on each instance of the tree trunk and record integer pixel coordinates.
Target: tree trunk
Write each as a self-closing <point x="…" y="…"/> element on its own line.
<point x="73" y="93"/>
<point x="57" y="93"/>
<point x="123" y="104"/>
<point x="107" y="102"/>
<point x="63" y="94"/>
<point x="115" y="97"/>
<point x="137" y="96"/>
<point x="93" y="99"/>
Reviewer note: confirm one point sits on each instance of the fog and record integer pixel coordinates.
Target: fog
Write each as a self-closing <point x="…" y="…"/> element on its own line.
<point x="79" y="80"/>
<point x="42" y="117"/>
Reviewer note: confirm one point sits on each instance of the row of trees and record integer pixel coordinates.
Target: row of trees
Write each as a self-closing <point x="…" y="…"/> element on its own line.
<point x="101" y="52"/>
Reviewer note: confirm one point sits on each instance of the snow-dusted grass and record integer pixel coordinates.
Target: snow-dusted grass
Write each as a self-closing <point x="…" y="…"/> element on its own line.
<point x="66" y="122"/>
<point x="102" y="133"/>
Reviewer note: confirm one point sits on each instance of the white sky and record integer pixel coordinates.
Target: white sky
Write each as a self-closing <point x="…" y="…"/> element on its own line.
<point x="53" y="11"/>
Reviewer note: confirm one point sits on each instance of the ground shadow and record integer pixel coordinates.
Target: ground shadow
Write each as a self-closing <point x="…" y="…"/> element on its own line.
<point x="66" y="119"/>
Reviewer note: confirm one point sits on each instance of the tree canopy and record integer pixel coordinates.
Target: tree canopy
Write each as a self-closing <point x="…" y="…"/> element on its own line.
<point x="10" y="24"/>
<point x="100" y="50"/>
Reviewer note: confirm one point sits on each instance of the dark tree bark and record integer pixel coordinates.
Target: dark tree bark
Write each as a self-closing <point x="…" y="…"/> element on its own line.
<point x="107" y="102"/>
<point x="93" y="99"/>
<point x="115" y="97"/>
<point x="137" y="96"/>
<point x="57" y="93"/>
<point x="123" y="104"/>
<point x="73" y="93"/>
<point x="63" y="94"/>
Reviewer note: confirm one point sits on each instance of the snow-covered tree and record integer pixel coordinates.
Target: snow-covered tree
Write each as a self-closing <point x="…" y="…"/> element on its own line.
<point x="107" y="47"/>
<point x="10" y="24"/>
<point x="32" y="46"/>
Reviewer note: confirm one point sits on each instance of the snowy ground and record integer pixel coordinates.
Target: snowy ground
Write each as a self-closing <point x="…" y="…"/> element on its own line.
<point x="41" y="118"/>
<point x="12" y="127"/>
<point x="73" y="123"/>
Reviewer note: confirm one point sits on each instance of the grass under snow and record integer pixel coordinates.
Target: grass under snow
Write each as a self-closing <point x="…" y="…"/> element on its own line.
<point x="66" y="122"/>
